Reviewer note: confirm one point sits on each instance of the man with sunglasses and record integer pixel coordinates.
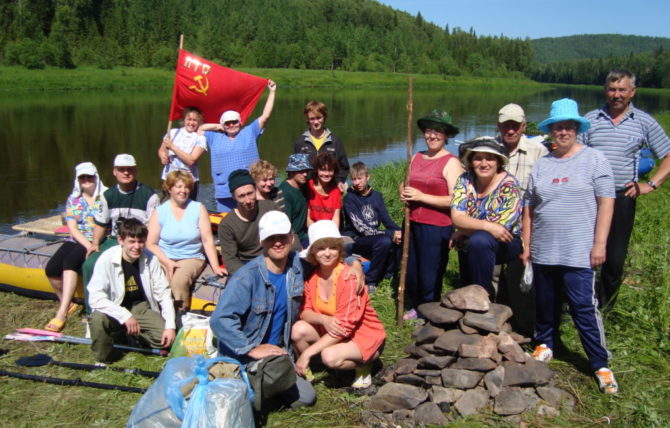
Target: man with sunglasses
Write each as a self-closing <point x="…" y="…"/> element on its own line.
<point x="232" y="146"/>
<point x="128" y="199"/>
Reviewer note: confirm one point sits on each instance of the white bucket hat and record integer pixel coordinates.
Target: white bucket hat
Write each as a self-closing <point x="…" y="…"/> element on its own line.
<point x="320" y="230"/>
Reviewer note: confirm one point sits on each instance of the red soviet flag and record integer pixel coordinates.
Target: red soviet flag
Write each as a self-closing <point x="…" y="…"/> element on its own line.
<point x="213" y="88"/>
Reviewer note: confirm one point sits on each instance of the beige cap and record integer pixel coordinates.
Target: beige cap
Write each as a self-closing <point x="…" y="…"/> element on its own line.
<point x="512" y="112"/>
<point x="124" y="160"/>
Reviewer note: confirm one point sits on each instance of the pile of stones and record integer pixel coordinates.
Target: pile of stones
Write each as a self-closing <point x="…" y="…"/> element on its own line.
<point x="464" y="360"/>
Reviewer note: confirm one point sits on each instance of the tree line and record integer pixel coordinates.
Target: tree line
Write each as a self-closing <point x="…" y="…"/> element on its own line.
<point x="349" y="35"/>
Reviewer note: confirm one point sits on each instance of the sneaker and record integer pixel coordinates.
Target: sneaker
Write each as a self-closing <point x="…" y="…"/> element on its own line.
<point x="606" y="381"/>
<point x="410" y="315"/>
<point x="543" y="353"/>
<point x="363" y="377"/>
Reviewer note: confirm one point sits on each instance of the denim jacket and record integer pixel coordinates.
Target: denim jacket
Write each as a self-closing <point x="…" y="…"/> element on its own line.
<point x="242" y="316"/>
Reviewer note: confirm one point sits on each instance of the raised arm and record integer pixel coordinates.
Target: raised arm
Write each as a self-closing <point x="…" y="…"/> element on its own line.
<point x="269" y="104"/>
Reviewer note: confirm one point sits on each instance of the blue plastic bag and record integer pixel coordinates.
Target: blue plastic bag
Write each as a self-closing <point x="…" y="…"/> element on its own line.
<point x="223" y="402"/>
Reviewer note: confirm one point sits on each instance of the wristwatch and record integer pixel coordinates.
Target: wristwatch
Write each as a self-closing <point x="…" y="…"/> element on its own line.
<point x="652" y="184"/>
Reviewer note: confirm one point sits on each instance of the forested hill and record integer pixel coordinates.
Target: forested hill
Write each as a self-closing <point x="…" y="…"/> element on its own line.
<point x="360" y="35"/>
<point x="593" y="46"/>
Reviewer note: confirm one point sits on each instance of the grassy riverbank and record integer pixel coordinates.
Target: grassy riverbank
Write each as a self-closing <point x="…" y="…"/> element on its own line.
<point x="120" y="78"/>
<point x="637" y="332"/>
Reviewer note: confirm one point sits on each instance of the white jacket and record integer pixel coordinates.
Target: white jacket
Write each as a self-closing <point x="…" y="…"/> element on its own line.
<point x="106" y="289"/>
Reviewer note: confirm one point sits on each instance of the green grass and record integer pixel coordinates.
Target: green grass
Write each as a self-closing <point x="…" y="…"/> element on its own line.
<point x="14" y="78"/>
<point x="637" y="332"/>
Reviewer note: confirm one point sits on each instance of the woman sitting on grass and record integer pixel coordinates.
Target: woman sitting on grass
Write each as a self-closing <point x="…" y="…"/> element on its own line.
<point x="63" y="266"/>
<point x="180" y="235"/>
<point x="336" y="322"/>
<point x="324" y="198"/>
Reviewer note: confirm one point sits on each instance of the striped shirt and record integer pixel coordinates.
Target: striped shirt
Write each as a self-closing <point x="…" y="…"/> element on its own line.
<point x="523" y="158"/>
<point x="621" y="143"/>
<point x="562" y="194"/>
<point x="116" y="204"/>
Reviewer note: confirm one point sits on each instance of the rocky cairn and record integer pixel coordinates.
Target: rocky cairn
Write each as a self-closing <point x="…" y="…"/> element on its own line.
<point x="464" y="359"/>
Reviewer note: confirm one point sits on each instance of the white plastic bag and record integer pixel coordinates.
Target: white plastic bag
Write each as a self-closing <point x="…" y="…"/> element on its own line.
<point x="527" y="279"/>
<point x="194" y="338"/>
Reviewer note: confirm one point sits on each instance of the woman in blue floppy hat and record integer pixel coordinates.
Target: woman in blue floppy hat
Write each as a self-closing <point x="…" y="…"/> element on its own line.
<point x="567" y="213"/>
<point x="432" y="176"/>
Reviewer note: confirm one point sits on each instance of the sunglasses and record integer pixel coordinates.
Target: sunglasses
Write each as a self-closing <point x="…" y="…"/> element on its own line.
<point x="231" y="123"/>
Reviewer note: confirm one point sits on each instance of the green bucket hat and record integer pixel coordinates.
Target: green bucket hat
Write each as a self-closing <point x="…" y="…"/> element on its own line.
<point x="438" y="119"/>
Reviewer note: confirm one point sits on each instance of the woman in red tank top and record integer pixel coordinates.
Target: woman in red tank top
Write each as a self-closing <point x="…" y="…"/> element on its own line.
<point x="432" y="175"/>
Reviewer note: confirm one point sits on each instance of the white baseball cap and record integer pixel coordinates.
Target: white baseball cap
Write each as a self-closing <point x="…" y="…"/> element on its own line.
<point x="85" y="168"/>
<point x="230" y="115"/>
<point x="512" y="112"/>
<point x="273" y="223"/>
<point x="124" y="160"/>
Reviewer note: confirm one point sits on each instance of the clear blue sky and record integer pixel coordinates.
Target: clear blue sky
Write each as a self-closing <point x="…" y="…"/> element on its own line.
<point x="545" y="18"/>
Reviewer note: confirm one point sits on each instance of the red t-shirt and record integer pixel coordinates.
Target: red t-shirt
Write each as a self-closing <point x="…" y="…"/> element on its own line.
<point x="323" y="207"/>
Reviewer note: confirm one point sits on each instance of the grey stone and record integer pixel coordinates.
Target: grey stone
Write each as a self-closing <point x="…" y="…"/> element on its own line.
<point x="410" y="379"/>
<point x="393" y="396"/>
<point x="440" y="394"/>
<point x="531" y="397"/>
<point x="556" y="397"/>
<point x="471" y="298"/>
<point x="531" y="373"/>
<point x="415" y="351"/>
<point x="427" y="333"/>
<point x="406" y="366"/>
<point x="521" y="340"/>
<point x="494" y="380"/>
<point x="510" y="401"/>
<point x="433" y="380"/>
<point x="435" y="362"/>
<point x="471" y="402"/>
<point x="510" y="348"/>
<point x="429" y="414"/>
<point x="427" y="372"/>
<point x="486" y="348"/>
<point x="478" y="364"/>
<point x="491" y="320"/>
<point x="547" y="411"/>
<point x="429" y="347"/>
<point x="403" y="417"/>
<point x="452" y="339"/>
<point x="438" y="314"/>
<point x="466" y="328"/>
<point x="376" y="419"/>
<point x="463" y="379"/>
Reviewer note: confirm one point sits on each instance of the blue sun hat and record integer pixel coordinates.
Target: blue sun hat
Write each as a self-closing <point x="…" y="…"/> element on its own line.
<point x="564" y="109"/>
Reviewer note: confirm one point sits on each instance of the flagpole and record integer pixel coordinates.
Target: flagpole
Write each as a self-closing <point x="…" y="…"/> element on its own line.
<point x="405" y="234"/>
<point x="181" y="46"/>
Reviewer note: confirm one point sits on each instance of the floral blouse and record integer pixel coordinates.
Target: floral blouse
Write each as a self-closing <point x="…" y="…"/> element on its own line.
<point x="82" y="213"/>
<point x="502" y="205"/>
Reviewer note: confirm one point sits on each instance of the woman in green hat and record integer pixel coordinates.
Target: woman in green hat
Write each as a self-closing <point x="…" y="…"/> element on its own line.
<point x="432" y="176"/>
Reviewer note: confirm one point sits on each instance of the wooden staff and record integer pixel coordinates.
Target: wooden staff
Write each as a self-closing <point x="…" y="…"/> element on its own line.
<point x="405" y="234"/>
<point x="181" y="46"/>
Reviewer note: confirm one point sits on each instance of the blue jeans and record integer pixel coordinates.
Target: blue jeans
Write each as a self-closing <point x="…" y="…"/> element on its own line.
<point x="479" y="256"/>
<point x="427" y="262"/>
<point x="382" y="253"/>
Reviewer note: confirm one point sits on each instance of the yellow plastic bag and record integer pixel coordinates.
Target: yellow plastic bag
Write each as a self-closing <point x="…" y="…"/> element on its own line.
<point x="194" y="338"/>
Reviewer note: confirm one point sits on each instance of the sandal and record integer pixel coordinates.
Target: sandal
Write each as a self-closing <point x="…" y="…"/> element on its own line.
<point x="73" y="308"/>
<point x="55" y="325"/>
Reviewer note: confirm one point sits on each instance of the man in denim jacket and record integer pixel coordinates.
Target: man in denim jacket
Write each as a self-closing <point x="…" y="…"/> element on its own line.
<point x="261" y="302"/>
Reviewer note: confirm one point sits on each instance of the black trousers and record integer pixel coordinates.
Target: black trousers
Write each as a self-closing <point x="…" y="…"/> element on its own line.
<point x="611" y="272"/>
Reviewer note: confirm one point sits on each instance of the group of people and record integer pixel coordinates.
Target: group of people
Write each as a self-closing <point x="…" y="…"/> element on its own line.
<point x="505" y="203"/>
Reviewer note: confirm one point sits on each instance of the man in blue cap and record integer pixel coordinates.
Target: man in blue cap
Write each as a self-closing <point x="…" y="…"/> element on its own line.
<point x="294" y="193"/>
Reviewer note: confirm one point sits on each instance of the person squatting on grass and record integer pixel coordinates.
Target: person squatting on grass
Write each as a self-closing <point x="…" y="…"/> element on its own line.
<point x="365" y="214"/>
<point x="182" y="148"/>
<point x="567" y="214"/>
<point x="232" y="147"/>
<point x="432" y="176"/>
<point x="63" y="266"/>
<point x="620" y="130"/>
<point x="335" y="321"/>
<point x="129" y="295"/>
<point x="180" y="236"/>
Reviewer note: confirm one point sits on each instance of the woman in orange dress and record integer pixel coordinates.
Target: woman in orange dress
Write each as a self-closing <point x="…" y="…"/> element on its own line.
<point x="335" y="321"/>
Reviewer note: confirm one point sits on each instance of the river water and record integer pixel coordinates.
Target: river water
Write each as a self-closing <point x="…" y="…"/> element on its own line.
<point x="45" y="134"/>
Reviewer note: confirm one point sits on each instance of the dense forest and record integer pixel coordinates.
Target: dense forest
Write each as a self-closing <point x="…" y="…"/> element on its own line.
<point x="353" y="35"/>
<point x="594" y="46"/>
<point x="349" y="35"/>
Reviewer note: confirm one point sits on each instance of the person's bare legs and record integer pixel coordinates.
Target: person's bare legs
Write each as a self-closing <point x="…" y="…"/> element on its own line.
<point x="64" y="288"/>
<point x="342" y="356"/>
<point x="303" y="334"/>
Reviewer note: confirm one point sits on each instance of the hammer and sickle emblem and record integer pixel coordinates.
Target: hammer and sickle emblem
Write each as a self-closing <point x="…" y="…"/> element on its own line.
<point x="201" y="86"/>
